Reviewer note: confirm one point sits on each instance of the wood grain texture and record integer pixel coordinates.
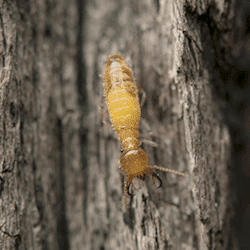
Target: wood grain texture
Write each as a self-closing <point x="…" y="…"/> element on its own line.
<point x="60" y="186"/>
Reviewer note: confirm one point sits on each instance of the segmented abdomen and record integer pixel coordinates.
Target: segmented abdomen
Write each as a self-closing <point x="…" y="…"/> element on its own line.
<point x="118" y="73"/>
<point x="124" y="109"/>
<point x="122" y="98"/>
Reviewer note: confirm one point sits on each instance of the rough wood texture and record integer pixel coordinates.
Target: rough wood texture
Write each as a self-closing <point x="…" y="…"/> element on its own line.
<point x="207" y="138"/>
<point x="60" y="186"/>
<point x="40" y="124"/>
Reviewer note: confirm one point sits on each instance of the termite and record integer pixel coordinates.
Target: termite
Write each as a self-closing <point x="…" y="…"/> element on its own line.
<point x="121" y="95"/>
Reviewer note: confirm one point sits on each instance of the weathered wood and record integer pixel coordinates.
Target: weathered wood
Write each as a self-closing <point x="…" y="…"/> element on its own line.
<point x="40" y="123"/>
<point x="60" y="185"/>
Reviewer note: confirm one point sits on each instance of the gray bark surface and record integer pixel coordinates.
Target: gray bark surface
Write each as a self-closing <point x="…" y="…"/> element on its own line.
<point x="60" y="186"/>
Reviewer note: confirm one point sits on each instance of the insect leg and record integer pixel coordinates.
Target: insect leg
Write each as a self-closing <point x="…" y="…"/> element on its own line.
<point x="104" y="116"/>
<point x="130" y="194"/>
<point x="148" y="142"/>
<point x="143" y="98"/>
<point x="126" y="187"/>
<point x="146" y="134"/>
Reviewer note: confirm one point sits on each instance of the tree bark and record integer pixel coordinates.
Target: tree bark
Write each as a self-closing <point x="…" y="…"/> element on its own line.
<point x="42" y="105"/>
<point x="60" y="185"/>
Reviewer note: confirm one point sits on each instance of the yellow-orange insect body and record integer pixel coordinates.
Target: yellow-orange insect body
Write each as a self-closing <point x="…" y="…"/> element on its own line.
<point x="121" y="95"/>
<point x="122" y="101"/>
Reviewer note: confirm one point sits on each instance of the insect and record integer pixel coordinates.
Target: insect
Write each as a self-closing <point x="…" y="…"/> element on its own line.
<point x="121" y="94"/>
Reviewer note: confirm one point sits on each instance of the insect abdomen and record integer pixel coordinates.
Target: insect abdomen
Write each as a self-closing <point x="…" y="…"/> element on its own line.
<point x="122" y="101"/>
<point x="124" y="109"/>
<point x="117" y="72"/>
